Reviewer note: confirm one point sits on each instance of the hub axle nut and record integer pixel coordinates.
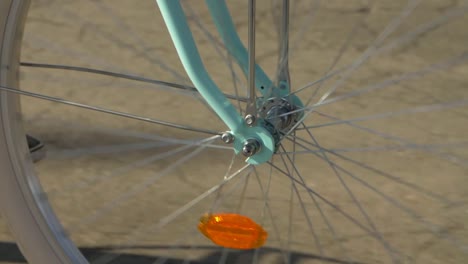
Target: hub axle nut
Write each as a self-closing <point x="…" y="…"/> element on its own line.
<point x="227" y="137"/>
<point x="250" y="120"/>
<point x="251" y="147"/>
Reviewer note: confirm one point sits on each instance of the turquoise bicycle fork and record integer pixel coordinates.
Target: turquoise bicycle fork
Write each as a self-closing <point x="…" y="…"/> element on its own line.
<point x="261" y="136"/>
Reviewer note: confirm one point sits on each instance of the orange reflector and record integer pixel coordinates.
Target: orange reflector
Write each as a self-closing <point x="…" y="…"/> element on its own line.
<point x="232" y="231"/>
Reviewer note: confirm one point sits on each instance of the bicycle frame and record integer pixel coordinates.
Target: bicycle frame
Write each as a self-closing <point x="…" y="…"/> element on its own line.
<point x="184" y="43"/>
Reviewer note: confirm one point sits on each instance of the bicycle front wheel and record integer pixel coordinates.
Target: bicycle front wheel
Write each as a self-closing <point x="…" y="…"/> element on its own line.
<point x="373" y="172"/>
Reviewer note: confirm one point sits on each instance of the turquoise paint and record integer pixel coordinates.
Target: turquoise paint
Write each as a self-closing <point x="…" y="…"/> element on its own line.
<point x="181" y="35"/>
<point x="223" y="21"/>
<point x="263" y="136"/>
<point x="183" y="40"/>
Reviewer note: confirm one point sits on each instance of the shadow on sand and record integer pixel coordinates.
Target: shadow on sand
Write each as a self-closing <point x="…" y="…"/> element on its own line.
<point x="9" y="252"/>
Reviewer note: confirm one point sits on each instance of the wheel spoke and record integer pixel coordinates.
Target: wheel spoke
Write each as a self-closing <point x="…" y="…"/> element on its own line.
<point x="267" y="209"/>
<point x="433" y="24"/>
<point x="454" y="145"/>
<point x="325" y="200"/>
<point x="251" y="108"/>
<point x="351" y="198"/>
<point x="220" y="49"/>
<point x="106" y="149"/>
<point x="442" y="66"/>
<point x="306" y="24"/>
<point x="344" y="47"/>
<point x="283" y="56"/>
<point x="138" y="41"/>
<point x="330" y="227"/>
<point x="107" y="111"/>
<point x="121" y="171"/>
<point x="119" y="149"/>
<point x="379" y="172"/>
<point x="265" y="201"/>
<point x="433" y="228"/>
<point x="402" y="141"/>
<point x="182" y="87"/>
<point x="389" y="114"/>
<point x="109" y="206"/>
<point x="218" y="198"/>
<point x="437" y="67"/>
<point x="391" y="27"/>
<point x="391" y="252"/>
<point x="304" y="210"/>
<point x="145" y="230"/>
<point x="176" y="245"/>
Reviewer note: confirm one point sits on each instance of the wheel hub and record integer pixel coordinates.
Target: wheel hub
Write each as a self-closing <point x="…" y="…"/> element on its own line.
<point x="259" y="139"/>
<point x="277" y="112"/>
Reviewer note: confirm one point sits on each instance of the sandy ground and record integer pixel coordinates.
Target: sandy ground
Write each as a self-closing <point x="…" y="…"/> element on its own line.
<point x="88" y="169"/>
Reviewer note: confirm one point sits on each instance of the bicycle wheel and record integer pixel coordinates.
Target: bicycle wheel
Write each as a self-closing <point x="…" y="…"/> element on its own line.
<point x="375" y="172"/>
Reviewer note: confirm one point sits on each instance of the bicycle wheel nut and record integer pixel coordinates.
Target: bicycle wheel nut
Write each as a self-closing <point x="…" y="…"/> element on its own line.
<point x="227" y="137"/>
<point x="251" y="147"/>
<point x="250" y="120"/>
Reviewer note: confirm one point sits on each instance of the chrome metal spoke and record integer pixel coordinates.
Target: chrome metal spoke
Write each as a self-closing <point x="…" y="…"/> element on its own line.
<point x="138" y="41"/>
<point x="243" y="194"/>
<point x="325" y="200"/>
<point x="389" y="114"/>
<point x="344" y="47"/>
<point x="145" y="230"/>
<point x="217" y="199"/>
<point x="220" y="50"/>
<point x="399" y="140"/>
<point x="123" y="133"/>
<point x="437" y="67"/>
<point x="338" y="209"/>
<point x="42" y="43"/>
<point x="435" y="229"/>
<point x="321" y="79"/>
<point x="283" y="34"/>
<point x="182" y="87"/>
<point x="251" y="108"/>
<point x="385" y="148"/>
<point x="72" y="153"/>
<point x="327" y="222"/>
<point x="304" y="210"/>
<point x="441" y="66"/>
<point x="123" y="170"/>
<point x="235" y="85"/>
<point x="220" y="197"/>
<point x="226" y="251"/>
<point x="291" y="205"/>
<point x="283" y="56"/>
<point x="390" y="250"/>
<point x="433" y="24"/>
<point x="306" y="24"/>
<point x="390" y="28"/>
<point x="176" y="245"/>
<point x="379" y="172"/>
<point x="267" y="208"/>
<point x="290" y="228"/>
<point x="106" y="149"/>
<point x="124" y="197"/>
<point x="265" y="201"/>
<point x="108" y="111"/>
